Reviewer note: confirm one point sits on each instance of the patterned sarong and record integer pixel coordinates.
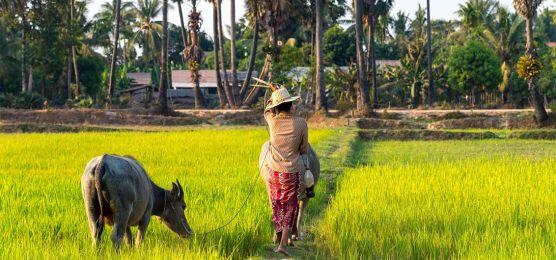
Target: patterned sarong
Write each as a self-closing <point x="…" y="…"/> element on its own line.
<point x="283" y="191"/>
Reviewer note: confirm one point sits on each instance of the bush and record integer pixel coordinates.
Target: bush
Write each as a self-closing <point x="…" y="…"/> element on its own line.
<point x="23" y="101"/>
<point x="80" y="102"/>
<point x="473" y="68"/>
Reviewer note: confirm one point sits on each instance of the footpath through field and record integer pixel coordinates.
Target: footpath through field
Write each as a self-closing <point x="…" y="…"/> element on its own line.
<point x="339" y="152"/>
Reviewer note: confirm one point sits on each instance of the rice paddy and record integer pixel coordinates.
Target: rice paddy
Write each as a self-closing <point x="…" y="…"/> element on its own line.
<point x="41" y="207"/>
<point x="417" y="199"/>
<point x="447" y="199"/>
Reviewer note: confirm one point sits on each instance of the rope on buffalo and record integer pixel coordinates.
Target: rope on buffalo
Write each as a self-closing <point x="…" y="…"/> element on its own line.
<point x="248" y="195"/>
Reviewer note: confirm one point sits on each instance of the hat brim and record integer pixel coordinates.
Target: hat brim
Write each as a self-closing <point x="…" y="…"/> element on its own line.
<point x="291" y="99"/>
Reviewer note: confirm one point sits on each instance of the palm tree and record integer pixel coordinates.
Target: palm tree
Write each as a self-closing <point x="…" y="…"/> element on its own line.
<point x="20" y="8"/>
<point x="149" y="30"/>
<point x="276" y="16"/>
<point x="8" y="50"/>
<point x="182" y="24"/>
<point x="475" y="15"/>
<point x="320" y="95"/>
<point x="253" y="13"/>
<point x="114" y="54"/>
<point x="363" y="102"/>
<point x="73" y="50"/>
<point x="429" y="57"/>
<point x="375" y="9"/>
<point x="233" y="58"/>
<point x="227" y="88"/>
<point x="528" y="9"/>
<point x="104" y="22"/>
<point x="219" y="87"/>
<point x="503" y="36"/>
<point x="163" y="87"/>
<point x="194" y="54"/>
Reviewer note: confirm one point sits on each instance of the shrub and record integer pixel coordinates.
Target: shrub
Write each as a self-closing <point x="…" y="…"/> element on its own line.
<point x="23" y="101"/>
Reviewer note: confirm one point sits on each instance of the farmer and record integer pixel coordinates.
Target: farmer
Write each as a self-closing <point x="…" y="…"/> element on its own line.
<point x="288" y="140"/>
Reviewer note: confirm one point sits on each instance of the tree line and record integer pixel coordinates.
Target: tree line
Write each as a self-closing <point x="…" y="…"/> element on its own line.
<point x="51" y="51"/>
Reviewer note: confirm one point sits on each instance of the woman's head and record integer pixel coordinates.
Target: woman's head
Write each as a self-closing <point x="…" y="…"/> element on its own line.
<point x="284" y="107"/>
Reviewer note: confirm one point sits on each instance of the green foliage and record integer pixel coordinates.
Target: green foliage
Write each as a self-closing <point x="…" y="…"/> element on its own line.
<point x="80" y="102"/>
<point x="289" y="58"/>
<point x="338" y="46"/>
<point x="23" y="101"/>
<point x="340" y="84"/>
<point x="547" y="77"/>
<point x="90" y="74"/>
<point x="474" y="67"/>
<point x="155" y="76"/>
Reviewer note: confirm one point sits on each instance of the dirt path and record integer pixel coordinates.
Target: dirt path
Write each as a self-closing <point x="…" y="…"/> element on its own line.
<point x="335" y="156"/>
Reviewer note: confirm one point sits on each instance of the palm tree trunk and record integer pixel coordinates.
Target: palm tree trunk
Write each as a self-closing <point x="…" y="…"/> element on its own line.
<point x="74" y="53"/>
<point x="30" y="82"/>
<point x="68" y="76"/>
<point x="252" y="58"/>
<point x="194" y="65"/>
<point x="219" y="87"/>
<point x="363" y="102"/>
<point x="183" y="30"/>
<point x="371" y="59"/>
<point x="429" y="57"/>
<point x="23" y="54"/>
<point x="111" y="83"/>
<point x="540" y="112"/>
<point x="75" y="70"/>
<point x="227" y="89"/>
<point x="320" y="93"/>
<point x="163" y="88"/>
<point x="233" y="58"/>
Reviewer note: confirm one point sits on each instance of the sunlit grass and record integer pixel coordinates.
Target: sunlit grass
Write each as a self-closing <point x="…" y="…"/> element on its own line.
<point x="463" y="199"/>
<point x="41" y="207"/>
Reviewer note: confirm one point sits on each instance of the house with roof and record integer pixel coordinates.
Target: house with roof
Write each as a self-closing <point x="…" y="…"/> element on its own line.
<point x="181" y="85"/>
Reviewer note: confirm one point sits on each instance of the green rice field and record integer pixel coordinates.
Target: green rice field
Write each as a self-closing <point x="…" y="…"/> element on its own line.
<point x="390" y="199"/>
<point x="41" y="206"/>
<point x="445" y="199"/>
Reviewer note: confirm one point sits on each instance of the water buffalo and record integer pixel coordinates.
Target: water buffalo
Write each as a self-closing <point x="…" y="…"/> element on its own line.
<point x="118" y="192"/>
<point x="314" y="166"/>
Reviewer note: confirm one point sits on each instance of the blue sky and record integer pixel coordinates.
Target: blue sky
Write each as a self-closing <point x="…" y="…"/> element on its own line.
<point x="440" y="9"/>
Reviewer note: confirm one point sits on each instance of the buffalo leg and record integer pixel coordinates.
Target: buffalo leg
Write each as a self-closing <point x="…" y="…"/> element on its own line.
<point x="128" y="236"/>
<point x="300" y="214"/>
<point x="96" y="221"/>
<point x="143" y="224"/>
<point x="121" y="218"/>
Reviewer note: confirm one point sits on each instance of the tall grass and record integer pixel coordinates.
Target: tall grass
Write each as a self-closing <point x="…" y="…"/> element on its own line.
<point x="41" y="207"/>
<point x="461" y="199"/>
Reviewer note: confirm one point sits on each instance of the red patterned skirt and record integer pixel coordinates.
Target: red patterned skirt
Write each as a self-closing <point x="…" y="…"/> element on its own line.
<point x="283" y="191"/>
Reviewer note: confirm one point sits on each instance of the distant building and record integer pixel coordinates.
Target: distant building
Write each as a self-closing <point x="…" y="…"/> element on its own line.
<point x="182" y="86"/>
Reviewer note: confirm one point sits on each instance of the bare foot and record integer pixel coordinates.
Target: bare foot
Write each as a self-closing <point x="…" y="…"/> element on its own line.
<point x="282" y="251"/>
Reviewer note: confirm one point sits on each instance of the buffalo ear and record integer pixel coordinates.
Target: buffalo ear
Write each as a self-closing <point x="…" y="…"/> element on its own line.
<point x="175" y="194"/>
<point x="181" y="188"/>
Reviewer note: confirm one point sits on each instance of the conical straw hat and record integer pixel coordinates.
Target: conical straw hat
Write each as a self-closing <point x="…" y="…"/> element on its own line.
<point x="281" y="96"/>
